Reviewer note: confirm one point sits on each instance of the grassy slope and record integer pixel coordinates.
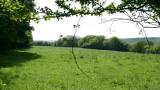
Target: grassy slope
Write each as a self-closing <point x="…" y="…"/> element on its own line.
<point x="49" y="68"/>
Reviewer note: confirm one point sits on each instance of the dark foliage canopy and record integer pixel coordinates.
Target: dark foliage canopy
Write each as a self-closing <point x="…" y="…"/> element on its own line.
<point x="15" y="16"/>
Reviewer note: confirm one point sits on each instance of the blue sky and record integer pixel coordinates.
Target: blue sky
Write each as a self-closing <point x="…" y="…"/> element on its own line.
<point x="89" y="25"/>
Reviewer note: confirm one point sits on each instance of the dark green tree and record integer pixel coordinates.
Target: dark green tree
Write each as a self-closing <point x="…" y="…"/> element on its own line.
<point x="141" y="46"/>
<point x="15" y="29"/>
<point x="67" y="41"/>
<point x="106" y="44"/>
<point x="91" y="41"/>
<point x="115" y="43"/>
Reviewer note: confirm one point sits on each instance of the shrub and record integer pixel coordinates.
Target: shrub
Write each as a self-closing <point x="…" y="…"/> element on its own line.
<point x="116" y="44"/>
<point x="105" y="44"/>
<point x="67" y="41"/>
<point x="91" y="41"/>
<point x="142" y="47"/>
<point x="157" y="49"/>
<point x="152" y="49"/>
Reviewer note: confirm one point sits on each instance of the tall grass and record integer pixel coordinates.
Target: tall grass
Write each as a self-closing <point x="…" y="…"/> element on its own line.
<point x="50" y="68"/>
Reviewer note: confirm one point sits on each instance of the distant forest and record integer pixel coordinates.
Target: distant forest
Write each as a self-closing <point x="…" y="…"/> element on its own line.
<point x="139" y="45"/>
<point x="155" y="40"/>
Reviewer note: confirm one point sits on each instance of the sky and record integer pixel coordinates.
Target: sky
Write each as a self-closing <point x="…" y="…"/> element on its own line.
<point x="89" y="25"/>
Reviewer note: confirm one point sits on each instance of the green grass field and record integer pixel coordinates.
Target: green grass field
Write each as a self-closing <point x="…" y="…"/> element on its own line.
<point x="50" y="68"/>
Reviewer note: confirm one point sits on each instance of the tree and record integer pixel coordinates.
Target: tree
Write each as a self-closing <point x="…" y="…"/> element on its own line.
<point x="67" y="41"/>
<point x="15" y="16"/>
<point x="116" y="44"/>
<point x="106" y="44"/>
<point x="139" y="11"/>
<point x="141" y="46"/>
<point x="91" y="41"/>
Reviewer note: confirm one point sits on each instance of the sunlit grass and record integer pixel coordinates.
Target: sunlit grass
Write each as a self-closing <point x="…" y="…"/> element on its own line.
<point x="50" y="68"/>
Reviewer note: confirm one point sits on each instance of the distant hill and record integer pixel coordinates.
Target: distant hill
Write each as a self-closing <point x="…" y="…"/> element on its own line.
<point x="155" y="40"/>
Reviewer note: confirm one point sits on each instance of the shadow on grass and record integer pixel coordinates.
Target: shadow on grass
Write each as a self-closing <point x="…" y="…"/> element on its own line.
<point x="11" y="58"/>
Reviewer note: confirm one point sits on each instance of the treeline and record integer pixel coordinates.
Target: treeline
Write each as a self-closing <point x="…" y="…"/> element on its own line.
<point x="93" y="42"/>
<point x="43" y="43"/>
<point x="145" y="47"/>
<point x="100" y="42"/>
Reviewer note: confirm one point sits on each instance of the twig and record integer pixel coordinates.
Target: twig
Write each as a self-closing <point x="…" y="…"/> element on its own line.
<point x="73" y="54"/>
<point x="139" y="23"/>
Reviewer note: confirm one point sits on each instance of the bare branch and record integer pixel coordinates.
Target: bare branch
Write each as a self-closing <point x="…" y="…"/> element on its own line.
<point x="77" y="26"/>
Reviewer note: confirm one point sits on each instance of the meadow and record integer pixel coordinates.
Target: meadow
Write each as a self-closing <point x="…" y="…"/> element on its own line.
<point x="53" y="68"/>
